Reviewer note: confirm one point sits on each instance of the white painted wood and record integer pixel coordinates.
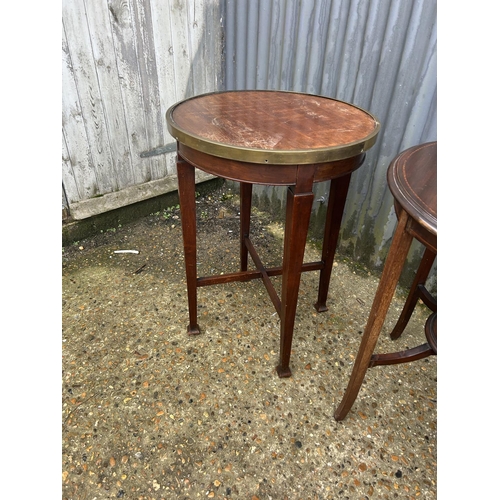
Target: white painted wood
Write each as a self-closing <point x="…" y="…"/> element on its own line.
<point x="75" y="28"/>
<point x="125" y="45"/>
<point x="78" y="174"/>
<point x="146" y="57"/>
<point x="202" y="40"/>
<point x="164" y="54"/>
<point x="127" y="196"/>
<point x="181" y="50"/>
<point x="68" y="177"/>
<point x="115" y="120"/>
<point x="125" y="62"/>
<point x="164" y="40"/>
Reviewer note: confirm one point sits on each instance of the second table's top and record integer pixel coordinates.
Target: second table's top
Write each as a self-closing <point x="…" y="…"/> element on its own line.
<point x="412" y="179"/>
<point x="275" y="127"/>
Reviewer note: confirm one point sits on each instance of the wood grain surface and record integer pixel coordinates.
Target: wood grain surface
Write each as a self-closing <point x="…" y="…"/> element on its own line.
<point x="271" y="121"/>
<point x="124" y="64"/>
<point x="412" y="179"/>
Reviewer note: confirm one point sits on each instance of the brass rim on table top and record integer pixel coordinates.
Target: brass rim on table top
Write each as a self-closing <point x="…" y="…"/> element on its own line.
<point x="266" y="156"/>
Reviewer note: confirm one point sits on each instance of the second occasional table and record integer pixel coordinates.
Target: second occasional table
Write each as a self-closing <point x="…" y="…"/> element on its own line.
<point x="273" y="138"/>
<point x="412" y="180"/>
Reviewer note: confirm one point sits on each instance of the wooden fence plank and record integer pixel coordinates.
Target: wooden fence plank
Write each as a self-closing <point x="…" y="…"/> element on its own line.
<point x="78" y="174"/>
<point x="114" y="116"/>
<point x="180" y="27"/>
<point x="87" y="87"/>
<point x="125" y="44"/>
<point x="70" y="185"/>
<point x="146" y="56"/>
<point x="164" y="54"/>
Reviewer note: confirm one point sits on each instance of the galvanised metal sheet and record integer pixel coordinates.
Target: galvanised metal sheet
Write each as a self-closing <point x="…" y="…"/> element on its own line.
<point x="379" y="55"/>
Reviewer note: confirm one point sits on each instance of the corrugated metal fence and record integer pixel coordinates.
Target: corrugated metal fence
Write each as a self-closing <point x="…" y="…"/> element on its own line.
<point x="379" y="54"/>
<point x="125" y="63"/>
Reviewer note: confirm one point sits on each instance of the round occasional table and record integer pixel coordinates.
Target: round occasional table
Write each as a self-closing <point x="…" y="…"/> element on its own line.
<point x="412" y="180"/>
<point x="270" y="138"/>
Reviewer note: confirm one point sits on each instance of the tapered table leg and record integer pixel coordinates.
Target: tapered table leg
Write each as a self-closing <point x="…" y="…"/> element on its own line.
<point x="336" y="202"/>
<point x="185" y="176"/>
<point x="298" y="212"/>
<point x="413" y="296"/>
<point x="245" y="210"/>
<point x="390" y="276"/>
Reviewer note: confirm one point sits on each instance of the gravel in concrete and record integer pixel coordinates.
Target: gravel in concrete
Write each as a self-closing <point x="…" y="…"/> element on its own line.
<point x="149" y="412"/>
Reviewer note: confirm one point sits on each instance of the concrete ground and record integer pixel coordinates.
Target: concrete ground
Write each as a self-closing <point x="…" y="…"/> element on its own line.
<point x="151" y="413"/>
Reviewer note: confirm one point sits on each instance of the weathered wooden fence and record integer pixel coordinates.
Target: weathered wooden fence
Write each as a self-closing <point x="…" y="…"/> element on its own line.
<point x="124" y="64"/>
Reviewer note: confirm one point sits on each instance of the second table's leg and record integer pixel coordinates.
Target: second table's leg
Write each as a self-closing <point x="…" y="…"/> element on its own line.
<point x="185" y="176"/>
<point x="245" y="208"/>
<point x="336" y="202"/>
<point x="298" y="212"/>
<point x="413" y="296"/>
<point x="396" y="257"/>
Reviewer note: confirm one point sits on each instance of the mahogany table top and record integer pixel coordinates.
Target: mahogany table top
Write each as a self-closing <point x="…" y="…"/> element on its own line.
<point x="412" y="179"/>
<point x="275" y="127"/>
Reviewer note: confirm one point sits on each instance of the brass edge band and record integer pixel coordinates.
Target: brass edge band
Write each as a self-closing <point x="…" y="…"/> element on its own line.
<point x="275" y="157"/>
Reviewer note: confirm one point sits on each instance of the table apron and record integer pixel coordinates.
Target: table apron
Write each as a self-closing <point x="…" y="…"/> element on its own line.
<point x="265" y="174"/>
<point x="417" y="230"/>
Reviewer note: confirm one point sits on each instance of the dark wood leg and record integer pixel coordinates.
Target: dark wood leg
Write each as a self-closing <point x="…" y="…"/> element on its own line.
<point x="245" y="209"/>
<point x="185" y="176"/>
<point x="414" y="294"/>
<point x="335" y="210"/>
<point x="298" y="212"/>
<point x="390" y="276"/>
